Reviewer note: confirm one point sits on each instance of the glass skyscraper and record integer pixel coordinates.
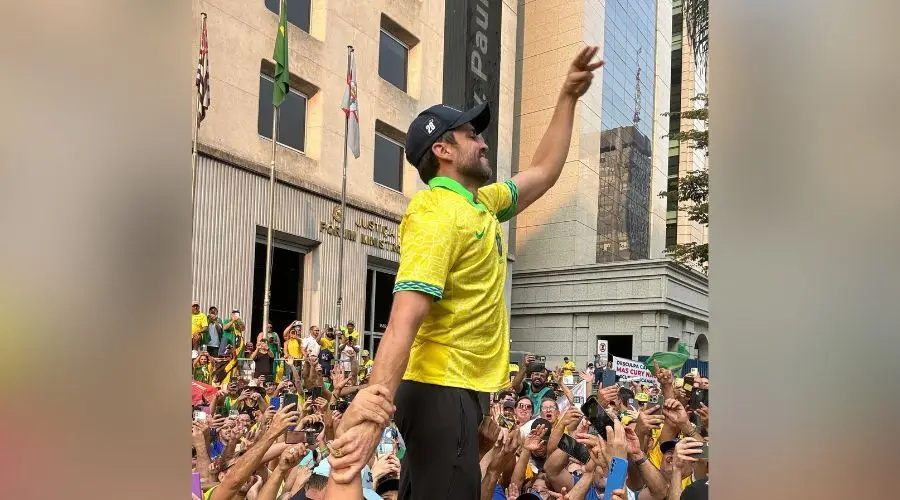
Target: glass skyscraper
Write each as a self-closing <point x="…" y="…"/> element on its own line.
<point x="623" y="218"/>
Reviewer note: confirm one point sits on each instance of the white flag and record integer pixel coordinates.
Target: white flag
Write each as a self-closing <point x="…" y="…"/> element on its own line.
<point x="579" y="394"/>
<point x="350" y="105"/>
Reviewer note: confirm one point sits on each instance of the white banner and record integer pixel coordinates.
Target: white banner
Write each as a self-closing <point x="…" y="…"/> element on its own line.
<point x="579" y="394"/>
<point x="632" y="370"/>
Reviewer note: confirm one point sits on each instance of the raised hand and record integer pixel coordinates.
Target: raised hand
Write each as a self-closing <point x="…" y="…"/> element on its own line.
<point x="615" y="440"/>
<point x="384" y="466"/>
<point x="685" y="451"/>
<point x="608" y="395"/>
<point x="291" y="456"/>
<point x="580" y="74"/>
<point x="675" y="413"/>
<point x="571" y="418"/>
<point x="512" y="493"/>
<point x="633" y="441"/>
<point x="586" y="375"/>
<point x="703" y="412"/>
<point x="286" y="416"/>
<point x="647" y="421"/>
<point x="663" y="375"/>
<point x="535" y="438"/>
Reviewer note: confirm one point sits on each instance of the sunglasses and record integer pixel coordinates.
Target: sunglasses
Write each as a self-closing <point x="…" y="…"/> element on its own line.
<point x="523" y="406"/>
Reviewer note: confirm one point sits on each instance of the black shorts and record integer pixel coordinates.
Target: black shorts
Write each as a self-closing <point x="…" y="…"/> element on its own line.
<point x="439" y="426"/>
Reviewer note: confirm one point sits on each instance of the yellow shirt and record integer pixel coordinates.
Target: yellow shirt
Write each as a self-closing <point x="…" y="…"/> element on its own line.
<point x="198" y="323"/>
<point x="365" y="369"/>
<point x="568" y="368"/>
<point x="451" y="247"/>
<point x="327" y="343"/>
<point x="293" y="348"/>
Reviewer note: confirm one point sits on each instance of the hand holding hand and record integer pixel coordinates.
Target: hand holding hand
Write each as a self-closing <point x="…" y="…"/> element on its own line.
<point x="373" y="404"/>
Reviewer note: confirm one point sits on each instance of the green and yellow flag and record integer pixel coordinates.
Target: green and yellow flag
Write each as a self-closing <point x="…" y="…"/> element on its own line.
<point x="282" y="87"/>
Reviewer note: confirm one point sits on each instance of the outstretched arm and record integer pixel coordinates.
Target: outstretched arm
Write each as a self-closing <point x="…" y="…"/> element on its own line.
<point x="550" y="155"/>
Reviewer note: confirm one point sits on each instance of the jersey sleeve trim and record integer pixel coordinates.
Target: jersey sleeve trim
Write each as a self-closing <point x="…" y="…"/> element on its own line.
<point x="418" y="286"/>
<point x="510" y="211"/>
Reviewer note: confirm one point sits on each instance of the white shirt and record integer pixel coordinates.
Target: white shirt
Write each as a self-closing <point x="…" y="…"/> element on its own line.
<point x="311" y="346"/>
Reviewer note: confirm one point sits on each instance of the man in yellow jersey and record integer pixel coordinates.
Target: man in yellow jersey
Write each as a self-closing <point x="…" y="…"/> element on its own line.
<point x="448" y="338"/>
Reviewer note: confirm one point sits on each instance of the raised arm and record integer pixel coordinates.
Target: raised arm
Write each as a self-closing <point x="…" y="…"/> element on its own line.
<point x="523" y="371"/>
<point x="550" y="155"/>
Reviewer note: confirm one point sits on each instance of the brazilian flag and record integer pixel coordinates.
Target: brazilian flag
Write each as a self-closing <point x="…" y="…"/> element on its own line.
<point x="670" y="360"/>
<point x="282" y="73"/>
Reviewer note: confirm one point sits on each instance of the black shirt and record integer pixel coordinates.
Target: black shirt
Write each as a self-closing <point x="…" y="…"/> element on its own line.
<point x="263" y="364"/>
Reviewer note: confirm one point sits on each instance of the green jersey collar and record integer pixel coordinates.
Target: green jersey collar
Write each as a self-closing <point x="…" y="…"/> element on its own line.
<point x="456" y="187"/>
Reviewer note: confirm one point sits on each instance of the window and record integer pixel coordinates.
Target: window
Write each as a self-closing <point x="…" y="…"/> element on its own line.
<point x="671" y="235"/>
<point x="292" y="122"/>
<point x="672" y="199"/>
<point x="297" y="12"/>
<point x="393" y="57"/>
<point x="388" y="162"/>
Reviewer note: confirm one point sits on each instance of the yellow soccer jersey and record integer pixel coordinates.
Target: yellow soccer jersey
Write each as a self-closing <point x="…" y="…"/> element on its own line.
<point x="451" y="247"/>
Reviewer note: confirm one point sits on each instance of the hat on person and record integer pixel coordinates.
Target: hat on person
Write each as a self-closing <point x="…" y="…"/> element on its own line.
<point x="364" y="353"/>
<point x="509" y="404"/>
<point x="565" y="358"/>
<point x="667" y="446"/>
<point x="440" y="118"/>
<point x="235" y="311"/>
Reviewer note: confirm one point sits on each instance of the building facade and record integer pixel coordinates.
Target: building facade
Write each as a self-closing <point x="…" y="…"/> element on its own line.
<point x="399" y="50"/>
<point x="590" y="255"/>
<point x="687" y="83"/>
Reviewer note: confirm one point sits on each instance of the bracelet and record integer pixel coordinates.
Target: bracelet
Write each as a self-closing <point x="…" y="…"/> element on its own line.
<point x="641" y="461"/>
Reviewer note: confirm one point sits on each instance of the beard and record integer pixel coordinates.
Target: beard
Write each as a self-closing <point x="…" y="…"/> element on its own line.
<point x="476" y="168"/>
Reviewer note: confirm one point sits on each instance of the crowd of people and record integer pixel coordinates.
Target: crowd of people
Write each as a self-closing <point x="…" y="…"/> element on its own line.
<point x="265" y="428"/>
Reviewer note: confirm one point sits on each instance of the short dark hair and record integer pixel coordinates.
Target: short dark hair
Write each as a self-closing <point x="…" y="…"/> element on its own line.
<point x="317" y="482"/>
<point x="428" y="165"/>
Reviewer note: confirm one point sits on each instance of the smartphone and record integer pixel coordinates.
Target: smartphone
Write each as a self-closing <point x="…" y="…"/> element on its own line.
<point x="695" y="372"/>
<point x="199" y="415"/>
<point x="688" y="383"/>
<point x="653" y="399"/>
<point x="633" y="404"/>
<point x="698" y="396"/>
<point x="535" y="366"/>
<point x="705" y="454"/>
<point x="315" y="392"/>
<point x="233" y="413"/>
<point x="290" y="399"/>
<point x="295" y="437"/>
<point x="618" y="468"/>
<point x="574" y="449"/>
<point x="596" y="415"/>
<point x="609" y="377"/>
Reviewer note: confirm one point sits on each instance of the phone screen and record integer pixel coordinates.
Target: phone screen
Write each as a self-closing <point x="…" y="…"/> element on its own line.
<point x="698" y="396"/>
<point x="295" y="437"/>
<point x="596" y="415"/>
<point x="315" y="392"/>
<point x="574" y="449"/>
<point x="289" y="399"/>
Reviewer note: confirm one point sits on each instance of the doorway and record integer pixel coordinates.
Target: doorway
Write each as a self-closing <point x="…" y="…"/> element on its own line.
<point x="619" y="345"/>
<point x="287" y="287"/>
<point x="379" y="299"/>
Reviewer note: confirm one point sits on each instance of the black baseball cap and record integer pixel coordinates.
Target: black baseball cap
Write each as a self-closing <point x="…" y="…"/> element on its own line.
<point x="434" y="121"/>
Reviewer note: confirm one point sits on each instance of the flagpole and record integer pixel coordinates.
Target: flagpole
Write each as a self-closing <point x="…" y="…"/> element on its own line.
<point x="196" y="134"/>
<point x="340" y="266"/>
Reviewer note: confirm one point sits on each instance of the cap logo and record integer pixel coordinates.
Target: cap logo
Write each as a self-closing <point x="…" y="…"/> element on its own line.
<point x="429" y="127"/>
<point x="451" y="107"/>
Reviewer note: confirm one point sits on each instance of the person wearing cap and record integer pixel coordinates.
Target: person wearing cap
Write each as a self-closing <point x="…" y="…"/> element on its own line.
<point x="199" y="323"/>
<point x="365" y="367"/>
<point x="446" y="346"/>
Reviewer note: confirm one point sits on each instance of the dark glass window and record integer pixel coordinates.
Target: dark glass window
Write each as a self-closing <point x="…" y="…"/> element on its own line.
<point x="392" y="60"/>
<point x="671" y="235"/>
<point x="388" y="163"/>
<point x="297" y="12"/>
<point x="292" y="122"/>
